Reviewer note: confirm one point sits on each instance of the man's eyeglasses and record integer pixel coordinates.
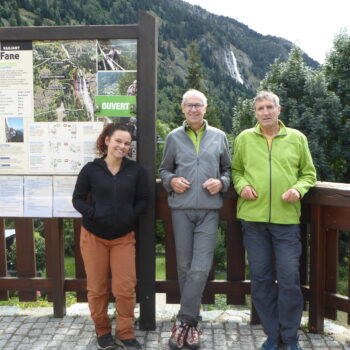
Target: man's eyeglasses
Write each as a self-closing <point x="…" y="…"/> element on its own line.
<point x="195" y="105"/>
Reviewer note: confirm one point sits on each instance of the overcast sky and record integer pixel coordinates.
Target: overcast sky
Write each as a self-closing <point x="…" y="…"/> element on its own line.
<point x="310" y="24"/>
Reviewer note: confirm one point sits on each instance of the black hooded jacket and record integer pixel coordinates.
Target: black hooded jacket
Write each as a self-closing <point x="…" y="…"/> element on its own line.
<point x="110" y="204"/>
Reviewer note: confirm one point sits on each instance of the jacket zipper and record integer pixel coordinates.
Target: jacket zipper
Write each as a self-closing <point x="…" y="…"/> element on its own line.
<point x="197" y="162"/>
<point x="197" y="158"/>
<point x="270" y="166"/>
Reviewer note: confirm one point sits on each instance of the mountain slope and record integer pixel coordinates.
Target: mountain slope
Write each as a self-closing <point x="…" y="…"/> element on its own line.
<point x="235" y="58"/>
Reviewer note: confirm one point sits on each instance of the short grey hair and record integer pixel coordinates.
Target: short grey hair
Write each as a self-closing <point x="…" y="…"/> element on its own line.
<point x="266" y="95"/>
<point x="194" y="92"/>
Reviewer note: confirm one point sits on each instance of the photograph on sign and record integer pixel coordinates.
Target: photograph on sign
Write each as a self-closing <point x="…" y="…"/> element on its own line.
<point x="117" y="54"/>
<point x="64" y="80"/>
<point x="14" y="129"/>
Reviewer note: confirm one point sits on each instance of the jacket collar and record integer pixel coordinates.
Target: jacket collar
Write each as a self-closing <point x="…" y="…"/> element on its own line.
<point x="283" y="129"/>
<point x="185" y="126"/>
<point x="101" y="162"/>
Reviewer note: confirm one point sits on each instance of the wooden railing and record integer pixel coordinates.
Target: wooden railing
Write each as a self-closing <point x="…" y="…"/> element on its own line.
<point x="326" y="210"/>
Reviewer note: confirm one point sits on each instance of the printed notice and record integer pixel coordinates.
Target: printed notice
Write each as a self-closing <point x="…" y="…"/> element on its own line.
<point x="63" y="187"/>
<point x="15" y="103"/>
<point x="61" y="148"/>
<point x="11" y="196"/>
<point x="16" y="79"/>
<point x="38" y="196"/>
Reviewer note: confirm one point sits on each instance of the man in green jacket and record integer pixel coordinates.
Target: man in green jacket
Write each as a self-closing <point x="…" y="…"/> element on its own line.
<point x="272" y="170"/>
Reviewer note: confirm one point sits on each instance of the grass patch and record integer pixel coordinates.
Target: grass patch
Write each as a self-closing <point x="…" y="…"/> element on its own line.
<point x="160" y="267"/>
<point x="69" y="267"/>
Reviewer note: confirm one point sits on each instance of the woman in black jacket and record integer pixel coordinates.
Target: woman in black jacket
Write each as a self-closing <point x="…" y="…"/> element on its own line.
<point x="111" y="193"/>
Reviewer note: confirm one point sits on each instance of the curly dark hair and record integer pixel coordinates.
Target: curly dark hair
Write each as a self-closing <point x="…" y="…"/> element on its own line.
<point x="109" y="130"/>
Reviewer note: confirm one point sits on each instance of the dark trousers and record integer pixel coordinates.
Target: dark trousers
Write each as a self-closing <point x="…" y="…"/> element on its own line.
<point x="280" y="305"/>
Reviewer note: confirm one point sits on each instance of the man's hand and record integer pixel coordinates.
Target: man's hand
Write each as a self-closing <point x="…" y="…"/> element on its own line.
<point x="179" y="184"/>
<point x="249" y="193"/>
<point x="213" y="186"/>
<point x="292" y="195"/>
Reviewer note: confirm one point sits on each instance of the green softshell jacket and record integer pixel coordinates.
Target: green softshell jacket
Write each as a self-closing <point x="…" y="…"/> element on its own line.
<point x="272" y="172"/>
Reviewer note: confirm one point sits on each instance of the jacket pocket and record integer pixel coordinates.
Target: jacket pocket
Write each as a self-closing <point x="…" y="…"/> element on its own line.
<point x="125" y="215"/>
<point x="103" y="217"/>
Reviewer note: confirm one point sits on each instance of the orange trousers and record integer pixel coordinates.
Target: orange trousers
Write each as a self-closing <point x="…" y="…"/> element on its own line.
<point x="103" y="258"/>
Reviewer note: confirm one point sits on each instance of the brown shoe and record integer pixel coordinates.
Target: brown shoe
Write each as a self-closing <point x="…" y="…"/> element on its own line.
<point x="178" y="336"/>
<point x="192" y="339"/>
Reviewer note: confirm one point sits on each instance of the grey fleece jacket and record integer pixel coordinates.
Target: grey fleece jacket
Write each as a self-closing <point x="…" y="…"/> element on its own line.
<point x="181" y="160"/>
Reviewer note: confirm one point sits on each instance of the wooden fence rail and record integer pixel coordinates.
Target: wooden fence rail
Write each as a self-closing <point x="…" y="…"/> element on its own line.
<point x="326" y="210"/>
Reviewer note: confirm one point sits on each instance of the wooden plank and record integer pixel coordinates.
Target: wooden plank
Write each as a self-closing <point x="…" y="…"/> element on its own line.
<point x="324" y="194"/>
<point x="146" y="153"/>
<point x="304" y="238"/>
<point x="48" y="254"/>
<point x="25" y="254"/>
<point x="3" y="260"/>
<point x="75" y="285"/>
<point x="79" y="263"/>
<point x="317" y="271"/>
<point x="217" y="286"/>
<point x="54" y="233"/>
<point x="69" y="32"/>
<point x="26" y="284"/>
<point x="336" y="217"/>
<point x="332" y="259"/>
<point x="235" y="261"/>
<point x="339" y="302"/>
<point x="348" y="279"/>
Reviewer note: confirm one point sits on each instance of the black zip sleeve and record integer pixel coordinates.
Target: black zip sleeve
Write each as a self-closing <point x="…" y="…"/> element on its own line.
<point x="80" y="194"/>
<point x="141" y="193"/>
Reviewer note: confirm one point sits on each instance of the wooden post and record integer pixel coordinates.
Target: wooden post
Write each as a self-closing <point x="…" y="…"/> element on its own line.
<point x="55" y="247"/>
<point x="3" y="260"/>
<point x="79" y="264"/>
<point x="332" y="259"/>
<point x="146" y="153"/>
<point x="236" y="266"/>
<point x="317" y="271"/>
<point x="25" y="254"/>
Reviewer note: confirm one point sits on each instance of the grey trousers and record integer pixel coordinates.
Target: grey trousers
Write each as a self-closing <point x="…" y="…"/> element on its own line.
<point x="279" y="306"/>
<point x="195" y="234"/>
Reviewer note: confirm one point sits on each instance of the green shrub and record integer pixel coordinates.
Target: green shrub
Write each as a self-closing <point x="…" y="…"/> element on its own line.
<point x="39" y="242"/>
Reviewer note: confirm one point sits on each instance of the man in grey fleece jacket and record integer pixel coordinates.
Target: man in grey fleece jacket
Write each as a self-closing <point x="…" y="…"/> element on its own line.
<point x="195" y="171"/>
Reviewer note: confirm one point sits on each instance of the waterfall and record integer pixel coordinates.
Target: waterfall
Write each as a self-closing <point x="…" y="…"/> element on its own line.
<point x="235" y="68"/>
<point x="231" y="63"/>
<point x="83" y="90"/>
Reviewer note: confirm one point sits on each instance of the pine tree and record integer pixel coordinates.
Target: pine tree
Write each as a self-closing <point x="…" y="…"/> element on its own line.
<point x="195" y="80"/>
<point x="194" y="77"/>
<point x="337" y="72"/>
<point x="243" y="116"/>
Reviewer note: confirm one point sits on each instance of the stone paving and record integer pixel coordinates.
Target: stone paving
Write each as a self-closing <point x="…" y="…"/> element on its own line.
<point x="37" y="329"/>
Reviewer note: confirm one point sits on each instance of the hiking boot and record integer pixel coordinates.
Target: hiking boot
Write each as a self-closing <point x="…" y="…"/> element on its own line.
<point x="192" y="339"/>
<point x="295" y="346"/>
<point x="106" y="342"/>
<point x="270" y="344"/>
<point x="178" y="335"/>
<point x="128" y="344"/>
